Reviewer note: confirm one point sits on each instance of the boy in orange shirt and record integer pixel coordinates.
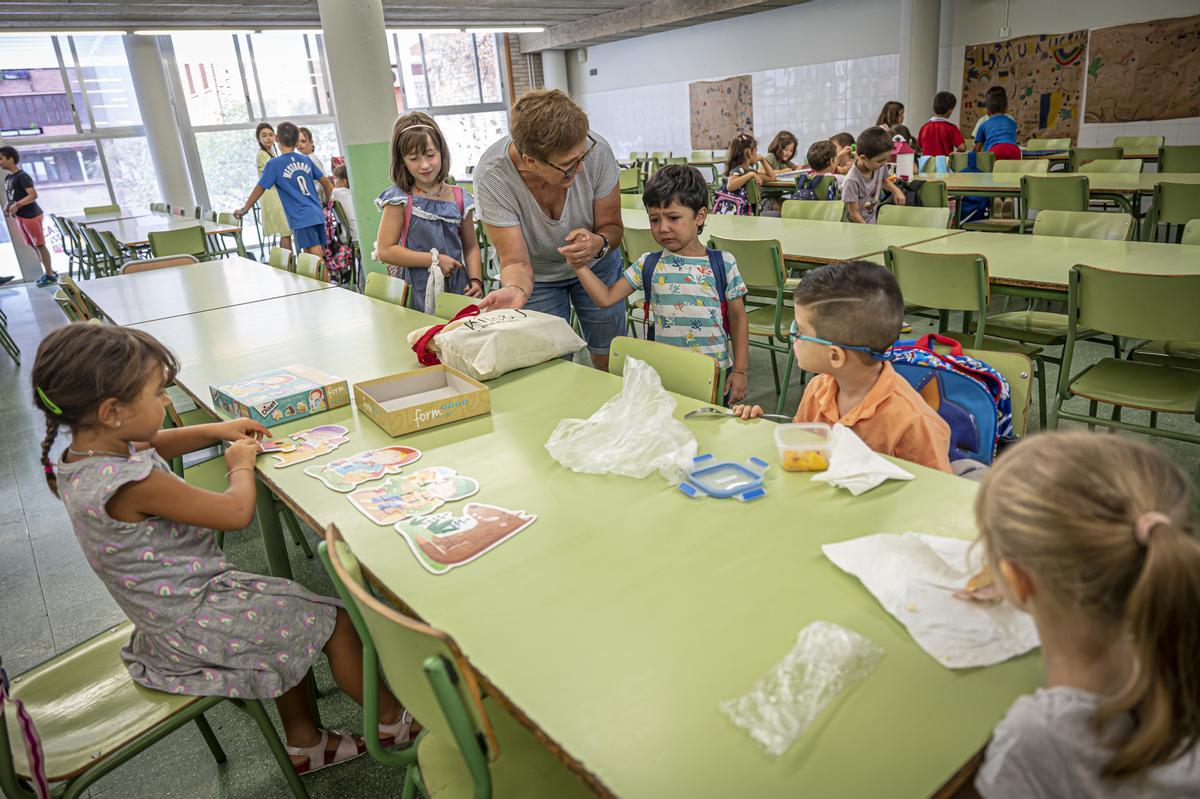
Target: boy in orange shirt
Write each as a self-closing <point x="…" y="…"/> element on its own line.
<point x="847" y="316"/>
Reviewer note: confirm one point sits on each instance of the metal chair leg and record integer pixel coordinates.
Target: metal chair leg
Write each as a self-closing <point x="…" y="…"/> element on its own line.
<point x="256" y="711"/>
<point x="214" y="745"/>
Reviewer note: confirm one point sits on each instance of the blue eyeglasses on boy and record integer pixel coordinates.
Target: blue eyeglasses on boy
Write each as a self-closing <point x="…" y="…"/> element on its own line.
<point x="797" y="336"/>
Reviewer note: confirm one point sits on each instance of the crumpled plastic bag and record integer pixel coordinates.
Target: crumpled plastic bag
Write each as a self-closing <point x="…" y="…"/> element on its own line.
<point x="632" y="434"/>
<point x="826" y="660"/>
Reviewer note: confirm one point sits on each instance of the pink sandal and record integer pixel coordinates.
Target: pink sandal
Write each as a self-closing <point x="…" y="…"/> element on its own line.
<point x="318" y="757"/>
<point x="397" y="733"/>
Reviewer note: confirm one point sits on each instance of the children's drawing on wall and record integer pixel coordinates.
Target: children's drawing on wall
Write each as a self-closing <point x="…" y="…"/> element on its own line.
<point x="720" y="110"/>
<point x="1144" y="71"/>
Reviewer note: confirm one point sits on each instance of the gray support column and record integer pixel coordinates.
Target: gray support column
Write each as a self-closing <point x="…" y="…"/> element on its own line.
<point x="360" y="75"/>
<point x="158" y="119"/>
<point x="919" y="40"/>
<point x="554" y="70"/>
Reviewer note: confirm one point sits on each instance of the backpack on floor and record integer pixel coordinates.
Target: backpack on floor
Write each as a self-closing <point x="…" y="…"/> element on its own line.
<point x="970" y="396"/>
<point x="716" y="262"/>
<point x="973" y="209"/>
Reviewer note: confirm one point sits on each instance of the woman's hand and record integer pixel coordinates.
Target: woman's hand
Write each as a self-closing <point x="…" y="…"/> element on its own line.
<point x="581" y="247"/>
<point x="240" y="429"/>
<point x="507" y="297"/>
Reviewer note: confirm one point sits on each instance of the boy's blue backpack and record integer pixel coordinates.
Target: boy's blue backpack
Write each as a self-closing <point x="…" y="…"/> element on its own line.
<point x="806" y="188"/>
<point x="973" y="209"/>
<point x="970" y="396"/>
<point x="716" y="262"/>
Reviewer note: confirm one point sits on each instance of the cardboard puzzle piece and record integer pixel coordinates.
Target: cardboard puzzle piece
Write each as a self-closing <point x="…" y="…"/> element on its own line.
<point x="444" y="541"/>
<point x="346" y="474"/>
<point x="416" y="494"/>
<point x="304" y="445"/>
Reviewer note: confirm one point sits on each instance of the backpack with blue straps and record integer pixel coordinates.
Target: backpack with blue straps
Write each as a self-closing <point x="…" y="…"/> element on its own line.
<point x="806" y="189"/>
<point x="973" y="209"/>
<point x="716" y="262"/>
<point x="969" y="395"/>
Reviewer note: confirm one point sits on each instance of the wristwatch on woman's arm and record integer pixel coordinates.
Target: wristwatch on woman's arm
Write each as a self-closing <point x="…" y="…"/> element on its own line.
<point x="605" y="248"/>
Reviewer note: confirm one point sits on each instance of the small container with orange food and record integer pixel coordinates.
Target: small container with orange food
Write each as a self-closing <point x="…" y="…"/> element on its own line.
<point x="803" y="447"/>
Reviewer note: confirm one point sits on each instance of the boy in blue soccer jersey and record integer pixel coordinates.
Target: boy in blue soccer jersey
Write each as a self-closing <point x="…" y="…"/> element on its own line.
<point x="295" y="176"/>
<point x="689" y="308"/>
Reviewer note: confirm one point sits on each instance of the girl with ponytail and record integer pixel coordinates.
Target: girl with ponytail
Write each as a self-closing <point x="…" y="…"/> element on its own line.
<point x="1093" y="536"/>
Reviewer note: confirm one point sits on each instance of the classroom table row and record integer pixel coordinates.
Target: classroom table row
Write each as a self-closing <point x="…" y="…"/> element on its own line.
<point x="1023" y="265"/>
<point x="616" y="624"/>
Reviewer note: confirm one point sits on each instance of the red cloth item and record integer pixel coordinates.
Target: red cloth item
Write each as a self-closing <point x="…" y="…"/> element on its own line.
<point x="31" y="230"/>
<point x="1006" y="152"/>
<point x="939" y="137"/>
<point x="426" y="356"/>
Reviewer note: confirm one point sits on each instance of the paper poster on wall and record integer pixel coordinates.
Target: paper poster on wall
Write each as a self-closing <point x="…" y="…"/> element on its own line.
<point x="1144" y="71"/>
<point x="1044" y="78"/>
<point x="721" y="109"/>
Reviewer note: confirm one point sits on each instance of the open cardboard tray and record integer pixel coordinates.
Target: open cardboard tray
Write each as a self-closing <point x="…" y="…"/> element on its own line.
<point x="423" y="398"/>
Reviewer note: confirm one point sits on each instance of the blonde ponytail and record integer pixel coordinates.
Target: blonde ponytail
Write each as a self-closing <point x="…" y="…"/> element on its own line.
<point x="1105" y="523"/>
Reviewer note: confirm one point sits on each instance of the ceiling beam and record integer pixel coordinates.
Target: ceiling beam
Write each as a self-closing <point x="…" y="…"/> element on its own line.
<point x="639" y="20"/>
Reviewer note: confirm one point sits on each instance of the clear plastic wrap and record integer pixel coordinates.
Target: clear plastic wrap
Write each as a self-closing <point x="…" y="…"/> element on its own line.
<point x="632" y="434"/>
<point x="826" y="660"/>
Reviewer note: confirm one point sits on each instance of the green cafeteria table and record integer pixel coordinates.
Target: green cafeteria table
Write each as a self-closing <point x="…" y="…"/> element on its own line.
<point x="807" y="241"/>
<point x="178" y="290"/>
<point x="110" y="216"/>
<point x="615" y="624"/>
<point x="136" y="232"/>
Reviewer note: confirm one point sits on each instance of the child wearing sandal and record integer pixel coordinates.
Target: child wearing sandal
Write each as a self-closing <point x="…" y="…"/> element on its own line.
<point x="200" y="627"/>
<point x="427" y="223"/>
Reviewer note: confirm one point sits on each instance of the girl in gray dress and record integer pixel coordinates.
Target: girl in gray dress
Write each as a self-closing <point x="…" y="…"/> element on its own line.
<point x="200" y="627"/>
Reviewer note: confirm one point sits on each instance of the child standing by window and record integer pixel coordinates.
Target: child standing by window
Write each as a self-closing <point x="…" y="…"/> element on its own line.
<point x="199" y="627"/>
<point x="297" y="179"/>
<point x="1093" y="536"/>
<point x="341" y="195"/>
<point x="684" y="296"/>
<point x="427" y="223"/>
<point x="866" y="180"/>
<point x="998" y="133"/>
<point x="20" y="203"/>
<point x="274" y="223"/>
<point x="940" y="136"/>
<point x="742" y="165"/>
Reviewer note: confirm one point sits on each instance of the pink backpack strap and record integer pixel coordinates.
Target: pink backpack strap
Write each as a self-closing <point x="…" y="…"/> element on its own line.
<point x="407" y="220"/>
<point x="458" y="198"/>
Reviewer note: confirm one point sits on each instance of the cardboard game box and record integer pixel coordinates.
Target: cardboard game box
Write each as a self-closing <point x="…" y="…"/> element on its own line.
<point x="281" y="395"/>
<point x="420" y="399"/>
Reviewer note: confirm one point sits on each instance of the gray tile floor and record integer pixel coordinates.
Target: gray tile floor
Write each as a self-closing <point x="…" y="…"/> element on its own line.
<point x="51" y="600"/>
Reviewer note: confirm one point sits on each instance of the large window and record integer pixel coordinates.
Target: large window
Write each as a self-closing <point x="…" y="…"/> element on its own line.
<point x="210" y="73"/>
<point x="67" y="104"/>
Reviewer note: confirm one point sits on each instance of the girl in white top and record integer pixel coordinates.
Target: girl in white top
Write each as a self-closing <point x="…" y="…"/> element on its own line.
<point x="1092" y="535"/>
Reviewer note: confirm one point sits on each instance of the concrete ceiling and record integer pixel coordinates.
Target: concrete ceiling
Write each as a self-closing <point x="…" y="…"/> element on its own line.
<point x="564" y="20"/>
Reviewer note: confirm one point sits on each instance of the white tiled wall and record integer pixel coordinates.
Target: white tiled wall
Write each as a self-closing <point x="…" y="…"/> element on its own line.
<point x="813" y="101"/>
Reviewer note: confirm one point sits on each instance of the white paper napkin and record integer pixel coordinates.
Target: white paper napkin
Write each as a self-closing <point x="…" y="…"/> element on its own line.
<point x="914" y="577"/>
<point x="854" y="466"/>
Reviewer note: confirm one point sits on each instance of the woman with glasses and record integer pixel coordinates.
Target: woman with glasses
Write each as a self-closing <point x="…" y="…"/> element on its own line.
<point x="548" y="197"/>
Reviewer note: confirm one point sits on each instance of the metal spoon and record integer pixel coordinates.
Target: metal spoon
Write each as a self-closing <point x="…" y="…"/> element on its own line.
<point x="702" y="412"/>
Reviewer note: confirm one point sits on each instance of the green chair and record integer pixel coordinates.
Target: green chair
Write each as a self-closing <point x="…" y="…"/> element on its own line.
<point x="1048" y="144"/>
<point x="933" y="194"/>
<point x="280" y="259"/>
<point x="447" y="305"/>
<point x="113" y="249"/>
<point x="753" y="196"/>
<point x="761" y="266"/>
<point x="310" y="265"/>
<point x="93" y="210"/>
<point x="63" y="301"/>
<point x="1083" y="225"/>
<point x="984" y="161"/>
<point x="1184" y="354"/>
<point x="182" y="241"/>
<point x="99" y="262"/>
<point x="81" y="305"/>
<point x="1155" y="307"/>
<point x="1140" y="144"/>
<point x="958" y="282"/>
<point x="1191" y="232"/>
<point x="685" y="372"/>
<point x="1112" y="166"/>
<point x="1017" y="370"/>
<point x="634" y="244"/>
<point x="93" y="718"/>
<point x="387" y="288"/>
<point x="86" y="259"/>
<point x="1038" y="166"/>
<point x="814" y="210"/>
<point x="10" y="346"/>
<point x="150" y="264"/>
<point x="1083" y="155"/>
<point x="1179" y="158"/>
<point x="700" y="155"/>
<point x="1172" y="204"/>
<point x="674" y="159"/>
<point x="71" y="245"/>
<point x="470" y="745"/>
<point x="1065" y="193"/>
<point x="236" y="236"/>
<point x="913" y="216"/>
<point x="632" y="201"/>
<point x="630" y="181"/>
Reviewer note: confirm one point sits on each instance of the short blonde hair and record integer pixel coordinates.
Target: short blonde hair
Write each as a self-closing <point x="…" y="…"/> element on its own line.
<point x="1074" y="509"/>
<point x="546" y="123"/>
<point x="413" y="133"/>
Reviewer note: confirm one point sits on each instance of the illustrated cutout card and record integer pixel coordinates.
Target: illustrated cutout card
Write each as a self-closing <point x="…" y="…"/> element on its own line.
<point x="417" y="494"/>
<point x="443" y="541"/>
<point x="346" y="474"/>
<point x="305" y="444"/>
